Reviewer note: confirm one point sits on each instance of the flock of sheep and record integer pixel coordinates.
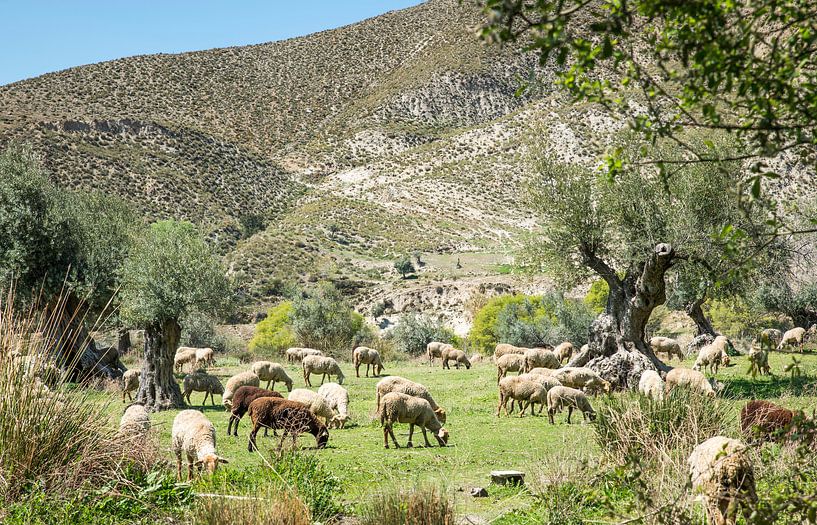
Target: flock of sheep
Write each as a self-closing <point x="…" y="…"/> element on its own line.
<point x="720" y="467"/>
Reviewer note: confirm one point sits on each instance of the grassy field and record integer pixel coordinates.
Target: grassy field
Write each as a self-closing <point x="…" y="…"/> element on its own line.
<point x="480" y="442"/>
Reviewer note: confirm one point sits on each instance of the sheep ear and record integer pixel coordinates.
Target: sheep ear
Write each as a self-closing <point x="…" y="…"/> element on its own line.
<point x="198" y="463"/>
<point x="223" y="460"/>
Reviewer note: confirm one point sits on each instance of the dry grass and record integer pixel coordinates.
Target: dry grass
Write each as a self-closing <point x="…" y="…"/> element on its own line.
<point x="423" y="505"/>
<point x="272" y="508"/>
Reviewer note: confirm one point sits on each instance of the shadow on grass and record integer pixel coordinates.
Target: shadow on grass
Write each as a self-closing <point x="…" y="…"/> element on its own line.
<point x="776" y="386"/>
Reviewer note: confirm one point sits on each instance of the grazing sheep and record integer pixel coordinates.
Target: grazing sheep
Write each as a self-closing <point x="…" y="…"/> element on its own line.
<point x="135" y="422"/>
<point x="404" y="386"/>
<point x="459" y="358"/>
<point x="509" y="363"/>
<point x="367" y="356"/>
<point x="722" y="472"/>
<point x="296" y="355"/>
<point x="184" y="356"/>
<point x="403" y="408"/>
<point x="475" y="358"/>
<point x="317" y="404"/>
<point x="290" y="416"/>
<point x="582" y="378"/>
<point x="759" y="361"/>
<point x="205" y="357"/>
<point x="242" y="379"/>
<point x="686" y="377"/>
<point x="769" y="338"/>
<point x="318" y="364"/>
<point x="434" y="349"/>
<point x="271" y="373"/>
<point x="713" y="355"/>
<point x="539" y="358"/>
<point x="338" y="398"/>
<point x="563" y="351"/>
<point x="559" y="397"/>
<point x="764" y="420"/>
<point x="666" y="345"/>
<point x="541" y="371"/>
<point x="525" y="390"/>
<point x="797" y="337"/>
<point x="242" y="397"/>
<point x="651" y="385"/>
<point x="130" y="383"/>
<point x="202" y="382"/>
<point x="195" y="436"/>
<point x="505" y="349"/>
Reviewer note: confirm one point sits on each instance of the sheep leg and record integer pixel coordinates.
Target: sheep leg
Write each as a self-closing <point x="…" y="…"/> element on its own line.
<point x="541" y="407"/>
<point x="189" y="470"/>
<point x="323" y="378"/>
<point x="501" y="404"/>
<point x="411" y="433"/>
<point x="178" y="466"/>
<point x="230" y="425"/>
<point x="251" y="445"/>
<point x="550" y="415"/>
<point x="357" y="369"/>
<point x="425" y="437"/>
<point x="569" y="413"/>
<point x="524" y="406"/>
<point x="367" y="369"/>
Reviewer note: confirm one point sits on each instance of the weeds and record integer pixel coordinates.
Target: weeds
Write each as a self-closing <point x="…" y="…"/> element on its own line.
<point x="423" y="505"/>
<point x="271" y="508"/>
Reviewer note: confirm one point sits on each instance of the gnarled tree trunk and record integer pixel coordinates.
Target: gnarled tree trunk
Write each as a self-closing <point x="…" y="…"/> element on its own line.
<point x="158" y="389"/>
<point x="617" y="349"/>
<point x="696" y="313"/>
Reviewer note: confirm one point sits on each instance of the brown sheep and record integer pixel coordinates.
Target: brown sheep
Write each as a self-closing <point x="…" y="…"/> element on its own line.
<point x="764" y="420"/>
<point x="241" y="403"/>
<point x="290" y="416"/>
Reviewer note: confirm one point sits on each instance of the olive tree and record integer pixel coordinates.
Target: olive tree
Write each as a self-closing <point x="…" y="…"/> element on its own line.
<point x="170" y="273"/>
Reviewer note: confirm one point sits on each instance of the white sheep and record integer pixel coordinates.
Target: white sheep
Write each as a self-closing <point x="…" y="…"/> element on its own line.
<point x="248" y="378"/>
<point x="540" y="358"/>
<point x="509" y="363"/>
<point x="296" y="355"/>
<point x="559" y="397"/>
<point x="363" y="355"/>
<point x="688" y="378"/>
<point x="405" y="386"/>
<point x="184" y="356"/>
<point x="505" y="349"/>
<point x="202" y="382"/>
<point x="434" y="349"/>
<point x="134" y="423"/>
<point x="722" y="472"/>
<point x="582" y="378"/>
<point x="318" y="364"/>
<point x="475" y="359"/>
<point x="563" y="351"/>
<point x="205" y="357"/>
<point x="759" y="360"/>
<point x="526" y="391"/>
<point x="272" y="373"/>
<point x="666" y="345"/>
<point x="317" y="404"/>
<point x="130" y="383"/>
<point x="651" y="385"/>
<point x="195" y="436"/>
<point x="403" y="408"/>
<point x="459" y="358"/>
<point x="338" y="398"/>
<point x="797" y="337"/>
<point x="713" y="355"/>
<point x="548" y="372"/>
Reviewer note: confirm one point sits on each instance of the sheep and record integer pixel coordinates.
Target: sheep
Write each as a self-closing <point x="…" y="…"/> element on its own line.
<point x="540" y="357"/>
<point x="434" y="349"/>
<point x="135" y="422"/>
<point x="509" y="363"/>
<point x="242" y="397"/>
<point x="764" y="420"/>
<point x="184" y="356"/>
<point x="368" y="356"/>
<point x="396" y="407"/>
<point x="459" y="358"/>
<point x="195" y="436"/>
<point x="338" y="398"/>
<point x="243" y="379"/>
<point x="759" y="360"/>
<point x="317" y="404"/>
<point x="582" y="378"/>
<point x="547" y="372"/>
<point x="318" y="364"/>
<point x="505" y="349"/>
<point x="713" y="355"/>
<point x="559" y="397"/>
<point x="797" y="337"/>
<point x="666" y="345"/>
<point x="475" y="359"/>
<point x="130" y="383"/>
<point x="202" y="382"/>
<point x="525" y="390"/>
<point x="686" y="377"/>
<point x="769" y="338"/>
<point x="205" y="357"/>
<point x="296" y="355"/>
<point x="563" y="351"/>
<point x="271" y="373"/>
<point x="404" y="386"/>
<point x="722" y="472"/>
<point x="290" y="416"/>
<point x="651" y="385"/>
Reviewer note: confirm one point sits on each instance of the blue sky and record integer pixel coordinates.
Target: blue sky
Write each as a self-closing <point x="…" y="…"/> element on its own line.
<point x="37" y="37"/>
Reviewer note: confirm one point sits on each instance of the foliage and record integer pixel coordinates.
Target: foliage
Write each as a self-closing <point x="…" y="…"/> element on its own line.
<point x="596" y="298"/>
<point x="274" y="334"/>
<point x="251" y="223"/>
<point x="172" y="272"/>
<point x="322" y="319"/>
<point x="404" y="266"/>
<point x="422" y="505"/>
<point x="266" y="508"/>
<point x="483" y="335"/>
<point x="738" y="319"/>
<point x="415" y="331"/>
<point x="800" y="305"/>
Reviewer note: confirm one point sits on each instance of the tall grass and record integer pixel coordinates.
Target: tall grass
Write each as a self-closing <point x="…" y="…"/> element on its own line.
<point x="272" y="508"/>
<point x="423" y="505"/>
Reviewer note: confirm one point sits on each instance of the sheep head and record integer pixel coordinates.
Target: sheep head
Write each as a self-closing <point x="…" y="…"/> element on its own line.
<point x="323" y="437"/>
<point x="442" y="437"/>
<point x="440" y="413"/>
<point x="210" y="462"/>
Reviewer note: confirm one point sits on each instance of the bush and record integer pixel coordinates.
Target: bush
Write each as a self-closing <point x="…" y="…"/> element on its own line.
<point x="404" y="266"/>
<point x="274" y="334"/>
<point x="424" y="505"/>
<point x="737" y="319"/>
<point x="415" y="332"/>
<point x="596" y="298"/>
<point x="323" y="320"/>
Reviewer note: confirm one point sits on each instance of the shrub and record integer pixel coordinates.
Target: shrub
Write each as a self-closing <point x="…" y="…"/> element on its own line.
<point x="274" y="334"/>
<point x="596" y="298"/>
<point x="737" y="319"/>
<point x="198" y="330"/>
<point x="415" y="332"/>
<point x="323" y="320"/>
<point x="423" y="505"/>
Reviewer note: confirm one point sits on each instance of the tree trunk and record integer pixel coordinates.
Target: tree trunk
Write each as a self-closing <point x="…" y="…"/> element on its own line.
<point x="617" y="349"/>
<point x="158" y="389"/>
<point x="696" y="313"/>
<point x="123" y="341"/>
